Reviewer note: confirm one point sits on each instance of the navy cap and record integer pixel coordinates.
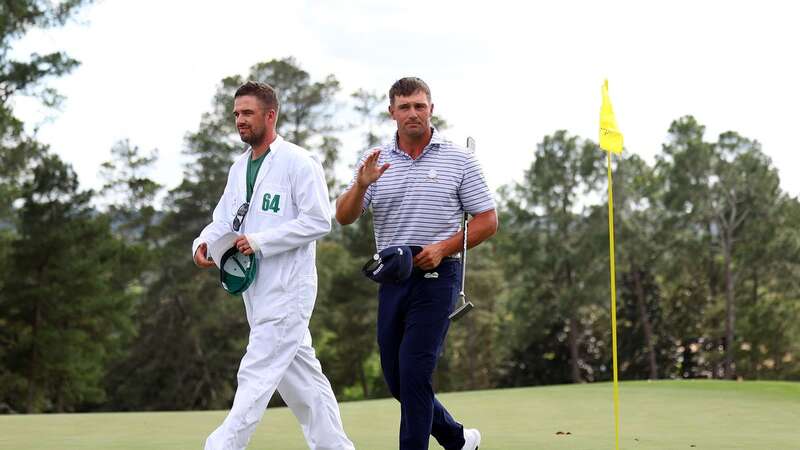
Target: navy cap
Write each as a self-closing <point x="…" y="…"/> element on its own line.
<point x="392" y="264"/>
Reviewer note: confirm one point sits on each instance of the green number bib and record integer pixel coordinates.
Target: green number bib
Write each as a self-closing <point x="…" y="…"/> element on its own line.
<point x="272" y="202"/>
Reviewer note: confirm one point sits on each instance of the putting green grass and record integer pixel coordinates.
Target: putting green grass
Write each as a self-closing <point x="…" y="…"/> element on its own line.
<point x="654" y="416"/>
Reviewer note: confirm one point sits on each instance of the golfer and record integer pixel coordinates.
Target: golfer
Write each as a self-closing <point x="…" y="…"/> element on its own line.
<point x="419" y="186"/>
<point x="276" y="198"/>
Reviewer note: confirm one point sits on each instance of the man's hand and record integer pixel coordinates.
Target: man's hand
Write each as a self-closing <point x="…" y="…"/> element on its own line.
<point x="200" y="258"/>
<point x="369" y="172"/>
<point x="348" y="205"/>
<point x="243" y="245"/>
<point x="430" y="256"/>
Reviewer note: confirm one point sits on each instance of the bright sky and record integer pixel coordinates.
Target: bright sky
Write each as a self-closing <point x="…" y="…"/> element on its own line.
<point x="507" y="73"/>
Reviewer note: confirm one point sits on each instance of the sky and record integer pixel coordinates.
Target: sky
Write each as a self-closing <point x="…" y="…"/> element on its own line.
<point x="507" y="73"/>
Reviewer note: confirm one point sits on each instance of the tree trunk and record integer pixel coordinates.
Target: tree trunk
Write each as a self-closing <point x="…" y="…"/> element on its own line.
<point x="572" y="335"/>
<point x="687" y="366"/>
<point x="362" y="376"/>
<point x="646" y="327"/>
<point x="730" y="312"/>
<point x="712" y="272"/>
<point x="572" y="340"/>
<point x="34" y="362"/>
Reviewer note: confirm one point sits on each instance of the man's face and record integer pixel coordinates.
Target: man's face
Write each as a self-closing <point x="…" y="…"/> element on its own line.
<point x="252" y="119"/>
<point x="412" y="114"/>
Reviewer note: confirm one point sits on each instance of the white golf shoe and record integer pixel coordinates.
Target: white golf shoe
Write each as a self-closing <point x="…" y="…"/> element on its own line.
<point x="472" y="439"/>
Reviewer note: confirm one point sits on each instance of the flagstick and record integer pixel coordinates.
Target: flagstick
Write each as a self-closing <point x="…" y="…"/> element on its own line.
<point x="613" y="299"/>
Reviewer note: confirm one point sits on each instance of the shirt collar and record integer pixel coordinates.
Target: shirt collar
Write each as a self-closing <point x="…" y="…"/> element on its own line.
<point x="273" y="147"/>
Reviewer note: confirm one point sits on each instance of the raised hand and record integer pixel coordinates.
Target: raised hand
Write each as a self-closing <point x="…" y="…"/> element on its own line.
<point x="369" y="172"/>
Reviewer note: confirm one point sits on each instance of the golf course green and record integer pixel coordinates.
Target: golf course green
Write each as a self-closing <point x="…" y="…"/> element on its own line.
<point x="747" y="415"/>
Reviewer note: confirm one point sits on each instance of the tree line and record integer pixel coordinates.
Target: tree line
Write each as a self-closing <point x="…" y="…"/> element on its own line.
<point x="101" y="307"/>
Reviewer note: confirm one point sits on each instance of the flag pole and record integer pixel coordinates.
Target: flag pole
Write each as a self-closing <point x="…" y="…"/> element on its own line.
<point x="613" y="299"/>
<point x="611" y="141"/>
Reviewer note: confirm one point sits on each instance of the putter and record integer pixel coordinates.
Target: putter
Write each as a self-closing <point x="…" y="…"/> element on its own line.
<point x="463" y="305"/>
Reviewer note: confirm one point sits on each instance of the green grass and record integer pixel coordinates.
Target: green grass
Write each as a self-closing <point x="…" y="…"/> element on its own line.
<point x="657" y="415"/>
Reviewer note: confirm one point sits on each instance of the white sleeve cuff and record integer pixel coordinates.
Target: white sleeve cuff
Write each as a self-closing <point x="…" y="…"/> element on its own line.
<point x="253" y="244"/>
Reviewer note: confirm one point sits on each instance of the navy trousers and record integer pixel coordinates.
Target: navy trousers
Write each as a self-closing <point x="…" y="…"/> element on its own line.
<point x="412" y="325"/>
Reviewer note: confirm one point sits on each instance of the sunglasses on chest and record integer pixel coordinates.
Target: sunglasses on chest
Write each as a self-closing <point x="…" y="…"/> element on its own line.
<point x="239" y="218"/>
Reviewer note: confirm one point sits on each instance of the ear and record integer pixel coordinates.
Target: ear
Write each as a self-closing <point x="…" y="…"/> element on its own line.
<point x="391" y="111"/>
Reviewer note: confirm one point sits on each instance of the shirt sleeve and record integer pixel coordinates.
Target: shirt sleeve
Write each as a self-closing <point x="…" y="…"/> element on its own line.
<point x="371" y="189"/>
<point x="221" y="222"/>
<point x="473" y="192"/>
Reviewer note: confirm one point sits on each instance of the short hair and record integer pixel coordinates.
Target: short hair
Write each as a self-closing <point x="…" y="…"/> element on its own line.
<point x="262" y="91"/>
<point x="408" y="86"/>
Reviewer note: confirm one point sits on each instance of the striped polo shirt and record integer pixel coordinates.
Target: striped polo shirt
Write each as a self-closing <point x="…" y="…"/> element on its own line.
<point x="420" y="202"/>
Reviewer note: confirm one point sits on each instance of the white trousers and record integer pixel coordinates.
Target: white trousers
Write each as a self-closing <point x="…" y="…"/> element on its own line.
<point x="280" y="356"/>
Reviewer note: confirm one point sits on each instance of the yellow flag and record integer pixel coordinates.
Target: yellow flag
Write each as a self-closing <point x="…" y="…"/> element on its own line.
<point x="610" y="136"/>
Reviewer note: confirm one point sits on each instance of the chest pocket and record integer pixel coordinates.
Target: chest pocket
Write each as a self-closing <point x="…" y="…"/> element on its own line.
<point x="272" y="200"/>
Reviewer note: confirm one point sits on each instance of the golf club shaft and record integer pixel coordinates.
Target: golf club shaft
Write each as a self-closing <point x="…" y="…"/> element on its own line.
<point x="464" y="307"/>
<point x="464" y="253"/>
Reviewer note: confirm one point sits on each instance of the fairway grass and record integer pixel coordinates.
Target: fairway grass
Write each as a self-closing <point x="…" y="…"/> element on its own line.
<point x="654" y="415"/>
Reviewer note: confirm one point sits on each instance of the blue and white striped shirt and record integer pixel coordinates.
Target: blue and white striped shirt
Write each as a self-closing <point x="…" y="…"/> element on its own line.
<point x="420" y="202"/>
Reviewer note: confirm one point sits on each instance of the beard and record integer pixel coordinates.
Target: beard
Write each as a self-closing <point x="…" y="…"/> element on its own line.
<point x="251" y="136"/>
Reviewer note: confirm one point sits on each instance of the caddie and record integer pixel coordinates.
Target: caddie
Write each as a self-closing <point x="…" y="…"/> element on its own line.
<point x="274" y="207"/>
<point x="419" y="185"/>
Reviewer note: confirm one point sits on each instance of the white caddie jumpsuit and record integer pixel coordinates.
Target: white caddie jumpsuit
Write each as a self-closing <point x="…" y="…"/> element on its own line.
<point x="289" y="210"/>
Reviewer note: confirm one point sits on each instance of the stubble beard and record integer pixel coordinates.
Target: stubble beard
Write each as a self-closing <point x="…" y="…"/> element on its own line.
<point x="417" y="132"/>
<point x="252" y="138"/>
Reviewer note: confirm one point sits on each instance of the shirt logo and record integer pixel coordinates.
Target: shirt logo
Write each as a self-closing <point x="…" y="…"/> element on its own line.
<point x="432" y="175"/>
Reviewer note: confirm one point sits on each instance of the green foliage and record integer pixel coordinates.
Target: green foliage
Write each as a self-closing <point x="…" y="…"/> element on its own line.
<point x="726" y="196"/>
<point x="554" y="243"/>
<point x="61" y="307"/>
<point x="345" y="319"/>
<point x="17" y="18"/>
<point x="129" y="192"/>
<point x="370" y="108"/>
<point x="705" y="257"/>
<point x="473" y="348"/>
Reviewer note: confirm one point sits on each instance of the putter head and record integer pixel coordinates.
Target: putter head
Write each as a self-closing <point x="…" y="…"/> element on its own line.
<point x="461" y="311"/>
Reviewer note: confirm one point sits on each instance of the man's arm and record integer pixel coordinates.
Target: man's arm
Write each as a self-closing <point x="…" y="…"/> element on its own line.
<point x="481" y="227"/>
<point x="350" y="205"/>
<point x="220" y="224"/>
